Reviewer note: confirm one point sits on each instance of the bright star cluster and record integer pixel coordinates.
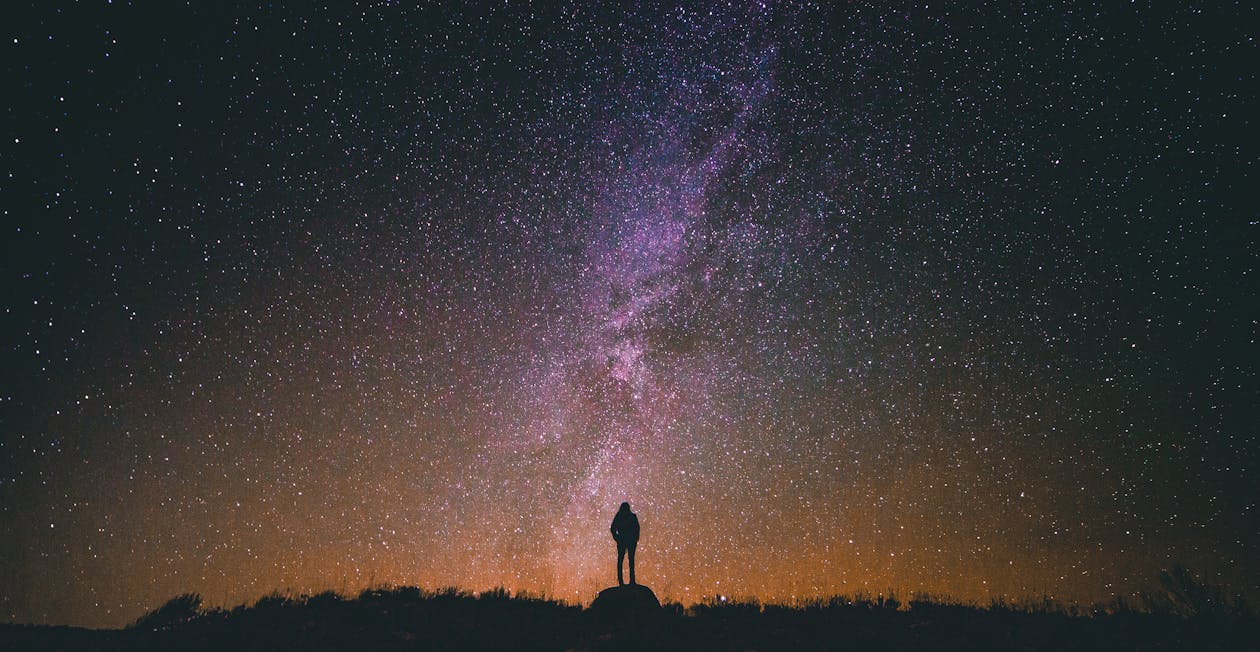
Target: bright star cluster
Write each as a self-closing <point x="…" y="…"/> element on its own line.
<point x="840" y="297"/>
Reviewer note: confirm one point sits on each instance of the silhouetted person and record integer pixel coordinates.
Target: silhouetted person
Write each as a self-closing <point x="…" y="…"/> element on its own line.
<point x="625" y="531"/>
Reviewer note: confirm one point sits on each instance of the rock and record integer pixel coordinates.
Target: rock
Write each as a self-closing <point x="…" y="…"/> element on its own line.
<point x="630" y="604"/>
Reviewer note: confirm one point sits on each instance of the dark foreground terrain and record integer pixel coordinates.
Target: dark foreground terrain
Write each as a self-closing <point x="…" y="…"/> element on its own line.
<point x="411" y="619"/>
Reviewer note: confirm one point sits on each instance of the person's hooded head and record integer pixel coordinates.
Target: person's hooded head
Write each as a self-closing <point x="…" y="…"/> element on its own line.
<point x="625" y="507"/>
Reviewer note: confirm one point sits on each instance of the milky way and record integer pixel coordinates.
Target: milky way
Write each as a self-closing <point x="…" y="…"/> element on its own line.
<point x="839" y="299"/>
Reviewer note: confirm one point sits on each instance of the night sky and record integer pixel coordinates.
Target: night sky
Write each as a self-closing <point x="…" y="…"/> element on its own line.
<point x="841" y="298"/>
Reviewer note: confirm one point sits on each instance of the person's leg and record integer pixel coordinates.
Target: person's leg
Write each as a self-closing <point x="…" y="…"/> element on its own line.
<point x="621" y="554"/>
<point x="632" y="547"/>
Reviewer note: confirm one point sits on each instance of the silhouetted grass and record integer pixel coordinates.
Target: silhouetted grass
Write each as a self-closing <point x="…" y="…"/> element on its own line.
<point x="1181" y="614"/>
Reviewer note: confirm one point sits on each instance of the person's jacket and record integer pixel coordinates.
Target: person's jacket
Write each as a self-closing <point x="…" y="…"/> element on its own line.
<point x="625" y="527"/>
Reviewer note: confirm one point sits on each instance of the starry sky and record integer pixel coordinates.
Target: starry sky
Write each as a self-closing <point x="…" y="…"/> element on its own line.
<point x="840" y="298"/>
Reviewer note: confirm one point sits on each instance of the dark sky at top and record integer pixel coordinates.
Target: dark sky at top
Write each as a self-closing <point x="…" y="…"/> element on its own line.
<point x="840" y="298"/>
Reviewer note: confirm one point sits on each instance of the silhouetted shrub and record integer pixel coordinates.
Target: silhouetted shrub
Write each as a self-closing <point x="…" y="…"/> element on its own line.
<point x="177" y="610"/>
<point x="450" y="592"/>
<point x="1184" y="593"/>
<point x="496" y="593"/>
<point x="324" y="600"/>
<point x="273" y="600"/>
